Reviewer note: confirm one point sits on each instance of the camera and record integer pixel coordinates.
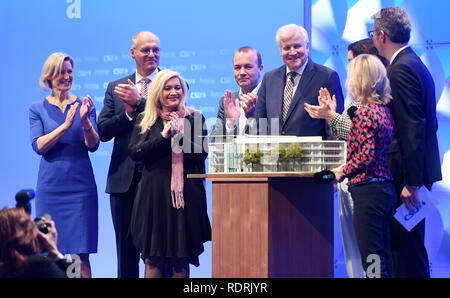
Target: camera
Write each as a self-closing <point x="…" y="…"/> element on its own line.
<point x="23" y="198"/>
<point x="40" y="222"/>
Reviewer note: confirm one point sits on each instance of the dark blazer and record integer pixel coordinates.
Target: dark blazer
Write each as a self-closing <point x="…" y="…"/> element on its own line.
<point x="113" y="123"/>
<point x="414" y="155"/>
<point x="220" y="126"/>
<point x="39" y="266"/>
<point x="298" y="122"/>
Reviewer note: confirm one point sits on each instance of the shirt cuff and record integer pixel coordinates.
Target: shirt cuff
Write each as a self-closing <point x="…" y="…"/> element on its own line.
<point x="129" y="118"/>
<point x="231" y="124"/>
<point x="334" y="121"/>
<point x="414" y="187"/>
<point x="58" y="257"/>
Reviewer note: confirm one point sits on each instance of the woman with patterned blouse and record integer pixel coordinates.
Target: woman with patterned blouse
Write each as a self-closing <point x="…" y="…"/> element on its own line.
<point x="367" y="169"/>
<point x="340" y="125"/>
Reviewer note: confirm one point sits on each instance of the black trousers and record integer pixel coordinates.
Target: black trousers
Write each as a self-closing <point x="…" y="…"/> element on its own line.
<point x="372" y="214"/>
<point x="409" y="257"/>
<point x="121" y="209"/>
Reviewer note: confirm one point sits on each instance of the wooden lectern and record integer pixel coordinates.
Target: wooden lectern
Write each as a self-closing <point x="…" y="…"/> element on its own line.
<point x="271" y="225"/>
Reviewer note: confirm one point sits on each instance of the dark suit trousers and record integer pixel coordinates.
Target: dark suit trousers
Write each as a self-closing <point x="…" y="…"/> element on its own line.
<point x="121" y="209"/>
<point x="409" y="258"/>
<point x="372" y="214"/>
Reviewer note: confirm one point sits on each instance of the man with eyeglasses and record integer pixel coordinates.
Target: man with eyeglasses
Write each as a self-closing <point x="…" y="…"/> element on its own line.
<point x="124" y="100"/>
<point x="413" y="155"/>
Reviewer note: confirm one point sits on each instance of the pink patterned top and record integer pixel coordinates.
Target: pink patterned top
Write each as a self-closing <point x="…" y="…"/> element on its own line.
<point x="368" y="143"/>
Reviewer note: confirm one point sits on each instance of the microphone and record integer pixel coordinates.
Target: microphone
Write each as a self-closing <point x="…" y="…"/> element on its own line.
<point x="351" y="111"/>
<point x="324" y="177"/>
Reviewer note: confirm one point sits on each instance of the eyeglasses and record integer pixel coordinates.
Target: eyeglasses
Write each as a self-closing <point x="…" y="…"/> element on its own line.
<point x="373" y="32"/>
<point x="146" y="51"/>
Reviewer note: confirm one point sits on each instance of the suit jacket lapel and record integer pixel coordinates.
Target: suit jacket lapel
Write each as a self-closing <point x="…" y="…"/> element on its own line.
<point x="279" y="82"/>
<point x="133" y="78"/>
<point x="307" y="75"/>
<point x="235" y="95"/>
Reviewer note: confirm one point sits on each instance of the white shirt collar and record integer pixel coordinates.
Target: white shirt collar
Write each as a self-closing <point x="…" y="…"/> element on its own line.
<point x="150" y="76"/>
<point x="398" y="52"/>
<point x="301" y="69"/>
<point x="254" y="91"/>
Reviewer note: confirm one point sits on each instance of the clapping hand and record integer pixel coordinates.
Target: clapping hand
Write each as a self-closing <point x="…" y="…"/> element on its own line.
<point x="128" y="93"/>
<point x="85" y="108"/>
<point x="71" y="115"/>
<point x="232" y="109"/>
<point x="325" y="99"/>
<point x="170" y="126"/>
<point x="326" y="108"/>
<point x="248" y="103"/>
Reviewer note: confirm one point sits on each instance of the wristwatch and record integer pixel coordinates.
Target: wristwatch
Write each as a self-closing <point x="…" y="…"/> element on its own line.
<point x="138" y="102"/>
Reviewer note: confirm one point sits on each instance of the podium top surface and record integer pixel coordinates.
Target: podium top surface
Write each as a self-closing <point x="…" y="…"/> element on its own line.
<point x="262" y="176"/>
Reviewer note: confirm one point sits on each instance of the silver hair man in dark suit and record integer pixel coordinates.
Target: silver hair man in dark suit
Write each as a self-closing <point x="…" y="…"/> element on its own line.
<point x="237" y="110"/>
<point x="124" y="100"/>
<point x="413" y="157"/>
<point x="285" y="90"/>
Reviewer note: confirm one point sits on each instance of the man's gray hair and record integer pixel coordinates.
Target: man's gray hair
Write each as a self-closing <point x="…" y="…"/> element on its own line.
<point x="394" y="22"/>
<point x="287" y="31"/>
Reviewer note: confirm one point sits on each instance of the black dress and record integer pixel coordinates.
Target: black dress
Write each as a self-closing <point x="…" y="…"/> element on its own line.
<point x="157" y="228"/>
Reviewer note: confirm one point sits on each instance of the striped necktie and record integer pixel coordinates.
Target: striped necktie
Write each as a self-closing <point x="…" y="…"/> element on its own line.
<point x="288" y="94"/>
<point x="144" y="88"/>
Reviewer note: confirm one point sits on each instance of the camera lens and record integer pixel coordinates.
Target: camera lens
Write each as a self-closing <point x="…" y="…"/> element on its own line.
<point x="40" y="222"/>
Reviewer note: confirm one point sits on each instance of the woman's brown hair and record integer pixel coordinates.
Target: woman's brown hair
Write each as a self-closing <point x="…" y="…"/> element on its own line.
<point x="18" y="239"/>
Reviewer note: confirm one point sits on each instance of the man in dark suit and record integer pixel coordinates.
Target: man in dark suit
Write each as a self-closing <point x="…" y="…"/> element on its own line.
<point x="236" y="110"/>
<point x="285" y="90"/>
<point x="413" y="157"/>
<point x="124" y="100"/>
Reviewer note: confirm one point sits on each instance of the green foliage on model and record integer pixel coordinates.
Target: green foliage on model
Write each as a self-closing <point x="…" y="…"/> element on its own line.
<point x="278" y="154"/>
<point x="252" y="155"/>
<point x="294" y="151"/>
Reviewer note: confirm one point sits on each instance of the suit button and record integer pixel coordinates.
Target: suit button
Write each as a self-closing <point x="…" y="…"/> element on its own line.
<point x="283" y="132"/>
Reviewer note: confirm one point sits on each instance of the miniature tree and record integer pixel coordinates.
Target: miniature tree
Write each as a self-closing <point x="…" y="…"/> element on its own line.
<point x="278" y="155"/>
<point x="294" y="152"/>
<point x="252" y="156"/>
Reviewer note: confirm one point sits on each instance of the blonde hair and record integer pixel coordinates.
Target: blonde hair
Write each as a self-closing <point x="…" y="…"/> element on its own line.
<point x="367" y="80"/>
<point x="288" y="31"/>
<point x="52" y="68"/>
<point x="153" y="105"/>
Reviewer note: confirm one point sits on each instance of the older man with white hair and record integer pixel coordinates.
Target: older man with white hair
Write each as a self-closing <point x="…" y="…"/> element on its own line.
<point x="285" y="90"/>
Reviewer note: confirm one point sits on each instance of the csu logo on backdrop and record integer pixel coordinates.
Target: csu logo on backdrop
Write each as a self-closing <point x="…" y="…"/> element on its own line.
<point x="74" y="9"/>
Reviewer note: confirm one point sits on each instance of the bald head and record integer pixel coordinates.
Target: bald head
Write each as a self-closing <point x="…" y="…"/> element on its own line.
<point x="145" y="51"/>
<point x="143" y="35"/>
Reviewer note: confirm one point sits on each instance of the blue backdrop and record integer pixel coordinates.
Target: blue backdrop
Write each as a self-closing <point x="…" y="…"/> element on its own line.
<point x="198" y="39"/>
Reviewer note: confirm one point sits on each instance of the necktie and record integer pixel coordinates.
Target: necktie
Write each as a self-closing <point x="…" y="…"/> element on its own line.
<point x="288" y="94"/>
<point x="144" y="88"/>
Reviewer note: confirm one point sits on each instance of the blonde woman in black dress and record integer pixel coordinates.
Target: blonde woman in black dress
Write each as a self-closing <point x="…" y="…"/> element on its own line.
<point x="169" y="222"/>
